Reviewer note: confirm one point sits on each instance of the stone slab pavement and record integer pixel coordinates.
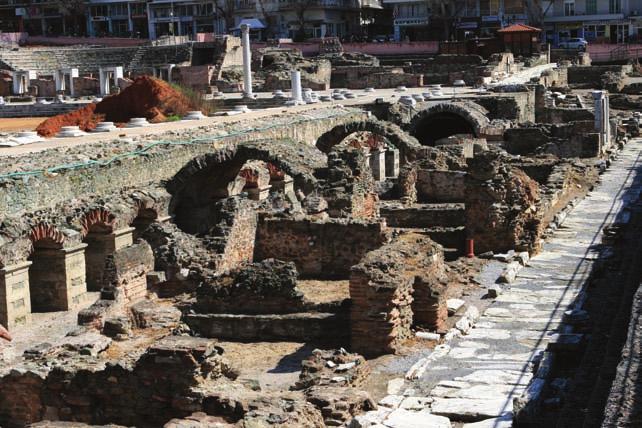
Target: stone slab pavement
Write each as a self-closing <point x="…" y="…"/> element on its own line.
<point x="472" y="379"/>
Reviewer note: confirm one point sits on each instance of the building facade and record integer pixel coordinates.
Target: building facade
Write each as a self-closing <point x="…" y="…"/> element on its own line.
<point x="598" y="21"/>
<point x="453" y="20"/>
<point x="155" y="18"/>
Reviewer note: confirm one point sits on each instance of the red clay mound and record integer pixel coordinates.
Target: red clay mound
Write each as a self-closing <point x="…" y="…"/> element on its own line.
<point x="147" y="97"/>
<point x="85" y="118"/>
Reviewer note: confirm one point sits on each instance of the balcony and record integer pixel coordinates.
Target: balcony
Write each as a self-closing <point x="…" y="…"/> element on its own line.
<point x="245" y="5"/>
<point x="576" y="18"/>
<point x="323" y="4"/>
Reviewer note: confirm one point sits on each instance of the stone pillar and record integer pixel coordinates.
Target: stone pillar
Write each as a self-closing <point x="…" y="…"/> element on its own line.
<point x="392" y="163"/>
<point x="378" y="164"/>
<point x="15" y="301"/>
<point x="602" y="123"/>
<point x="258" y="193"/>
<point x="58" y="279"/>
<point x="297" y="93"/>
<point x="247" y="61"/>
<point x="285" y="186"/>
<point x="101" y="245"/>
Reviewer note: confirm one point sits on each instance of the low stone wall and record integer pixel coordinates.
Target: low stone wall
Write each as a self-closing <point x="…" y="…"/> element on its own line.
<point x="319" y="249"/>
<point x="329" y="328"/>
<point x="442" y="215"/>
<point x="568" y="140"/>
<point x="38" y="110"/>
<point x="592" y="76"/>
<point x="563" y="115"/>
<point x="392" y="288"/>
<point x="358" y="77"/>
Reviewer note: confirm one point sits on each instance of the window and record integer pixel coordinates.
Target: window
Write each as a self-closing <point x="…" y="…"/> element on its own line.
<point x="591" y="7"/>
<point x="138" y="9"/>
<point x="615" y="6"/>
<point x="118" y="9"/>
<point x="569" y="8"/>
<point x="99" y="10"/>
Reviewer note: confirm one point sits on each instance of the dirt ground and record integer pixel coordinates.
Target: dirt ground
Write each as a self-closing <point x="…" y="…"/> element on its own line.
<point x="15" y="124"/>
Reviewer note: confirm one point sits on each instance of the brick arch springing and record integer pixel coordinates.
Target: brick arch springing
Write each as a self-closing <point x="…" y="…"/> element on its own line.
<point x="97" y="217"/>
<point x="45" y="232"/>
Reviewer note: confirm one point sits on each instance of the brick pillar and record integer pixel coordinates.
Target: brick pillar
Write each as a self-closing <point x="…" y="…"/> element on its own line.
<point x="15" y="301"/>
<point x="100" y="245"/>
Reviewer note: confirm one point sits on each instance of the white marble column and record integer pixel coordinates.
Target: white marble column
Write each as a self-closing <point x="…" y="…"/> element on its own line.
<point x="247" y="61"/>
<point x="295" y="76"/>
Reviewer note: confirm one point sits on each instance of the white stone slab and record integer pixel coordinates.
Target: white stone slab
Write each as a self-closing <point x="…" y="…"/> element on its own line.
<point x="402" y="418"/>
<point x="471" y="409"/>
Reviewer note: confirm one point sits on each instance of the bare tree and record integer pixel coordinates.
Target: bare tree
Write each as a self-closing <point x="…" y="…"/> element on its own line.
<point x="225" y="9"/>
<point x="300" y="9"/>
<point x="268" y="18"/>
<point x="445" y="12"/>
<point x="74" y="9"/>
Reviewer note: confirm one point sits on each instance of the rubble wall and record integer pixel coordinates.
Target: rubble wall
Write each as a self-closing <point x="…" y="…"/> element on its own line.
<point x="319" y="249"/>
<point x="145" y="393"/>
<point x="392" y="288"/>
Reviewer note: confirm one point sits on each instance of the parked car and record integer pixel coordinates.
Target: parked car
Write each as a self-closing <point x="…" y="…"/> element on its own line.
<point x="575" y="43"/>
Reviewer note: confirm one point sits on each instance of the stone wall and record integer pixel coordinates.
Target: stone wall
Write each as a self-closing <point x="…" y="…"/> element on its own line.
<point x="392" y="288"/>
<point x="560" y="115"/>
<point x="160" y="162"/>
<point x="591" y="77"/>
<point x="440" y="186"/>
<point x="567" y="140"/>
<point x="319" y="249"/>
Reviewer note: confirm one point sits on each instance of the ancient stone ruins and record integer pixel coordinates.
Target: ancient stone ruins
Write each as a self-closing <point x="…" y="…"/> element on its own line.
<point x="422" y="257"/>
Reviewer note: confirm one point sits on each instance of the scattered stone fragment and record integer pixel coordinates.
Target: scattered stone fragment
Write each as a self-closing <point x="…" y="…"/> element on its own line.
<point x="454" y="305"/>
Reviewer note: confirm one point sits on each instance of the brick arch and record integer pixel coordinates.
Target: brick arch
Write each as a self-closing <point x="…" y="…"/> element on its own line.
<point x="204" y="179"/>
<point x="97" y="216"/>
<point x="404" y="142"/>
<point x="465" y="116"/>
<point x="298" y="160"/>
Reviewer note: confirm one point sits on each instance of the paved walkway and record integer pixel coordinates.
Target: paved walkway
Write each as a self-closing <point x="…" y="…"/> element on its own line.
<point x="524" y="76"/>
<point x="474" y="378"/>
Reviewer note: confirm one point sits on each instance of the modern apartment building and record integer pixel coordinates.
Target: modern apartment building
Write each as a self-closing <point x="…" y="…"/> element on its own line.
<point x="609" y="21"/>
<point x="43" y="17"/>
<point x="457" y="19"/>
<point x="117" y="18"/>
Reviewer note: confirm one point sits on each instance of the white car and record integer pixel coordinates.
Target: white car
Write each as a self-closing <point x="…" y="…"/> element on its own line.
<point x="575" y="43"/>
